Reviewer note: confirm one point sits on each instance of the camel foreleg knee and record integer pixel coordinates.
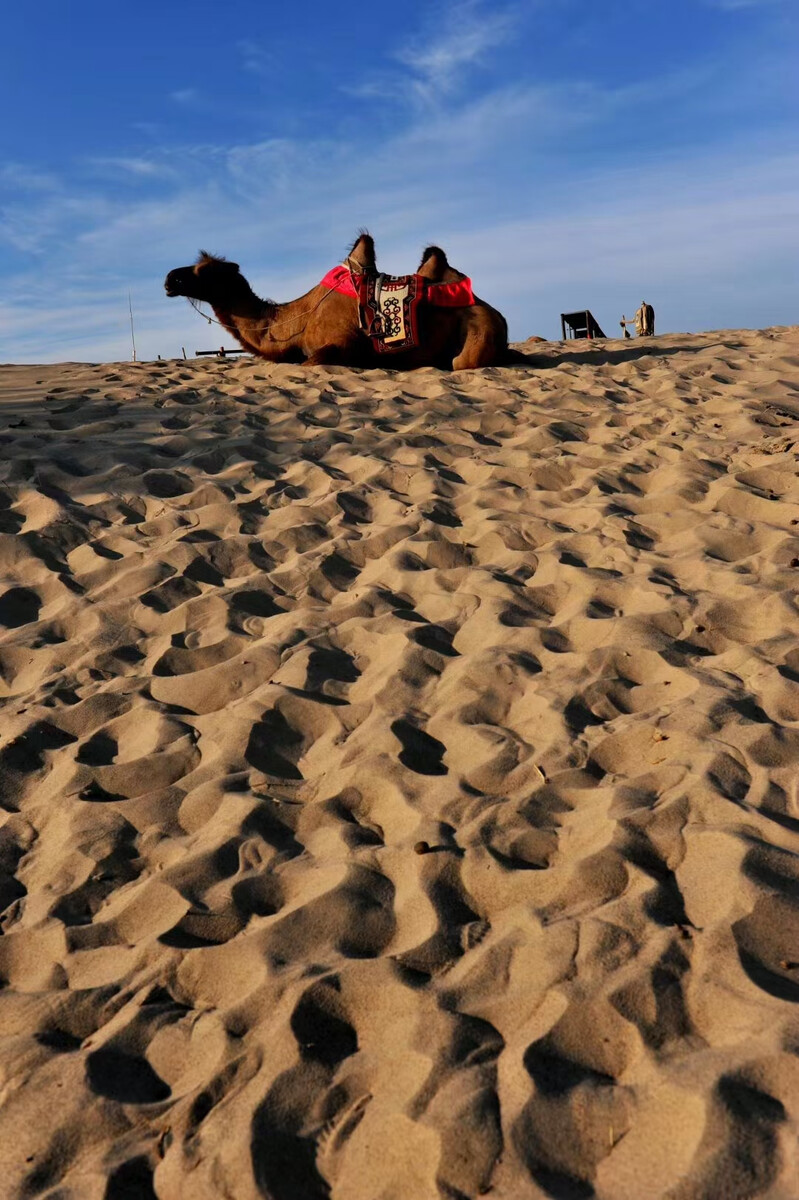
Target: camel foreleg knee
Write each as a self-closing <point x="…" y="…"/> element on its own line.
<point x="325" y="356"/>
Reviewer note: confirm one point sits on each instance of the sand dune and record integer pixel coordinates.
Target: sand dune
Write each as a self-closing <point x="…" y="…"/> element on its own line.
<point x="399" y="777"/>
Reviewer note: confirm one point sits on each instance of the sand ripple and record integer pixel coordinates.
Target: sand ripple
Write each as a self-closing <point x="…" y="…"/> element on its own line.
<point x="399" y="777"/>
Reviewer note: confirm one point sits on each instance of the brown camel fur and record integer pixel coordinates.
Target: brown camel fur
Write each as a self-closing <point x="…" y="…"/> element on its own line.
<point x="322" y="326"/>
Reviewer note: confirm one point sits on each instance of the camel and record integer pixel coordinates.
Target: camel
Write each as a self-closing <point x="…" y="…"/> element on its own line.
<point x="323" y="325"/>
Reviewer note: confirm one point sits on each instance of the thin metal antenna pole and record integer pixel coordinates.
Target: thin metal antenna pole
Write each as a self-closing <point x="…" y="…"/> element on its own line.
<point x="132" y="338"/>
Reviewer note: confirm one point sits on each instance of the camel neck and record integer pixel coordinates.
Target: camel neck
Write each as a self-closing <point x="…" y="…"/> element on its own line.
<point x="244" y="306"/>
<point x="249" y="319"/>
<point x="258" y="324"/>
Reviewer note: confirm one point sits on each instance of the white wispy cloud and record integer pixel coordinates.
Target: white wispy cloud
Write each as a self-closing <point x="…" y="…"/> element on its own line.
<point x="34" y="228"/>
<point x="457" y="37"/>
<point x="255" y="57"/>
<point x="732" y="5"/>
<point x="187" y="95"/>
<point x="25" y="178"/>
<point x="130" y="165"/>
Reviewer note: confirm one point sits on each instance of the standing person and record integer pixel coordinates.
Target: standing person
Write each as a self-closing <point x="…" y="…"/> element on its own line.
<point x="645" y="320"/>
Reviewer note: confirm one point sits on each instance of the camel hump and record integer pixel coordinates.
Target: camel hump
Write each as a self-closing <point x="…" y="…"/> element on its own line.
<point x="433" y="264"/>
<point x="361" y="258"/>
<point x="435" y="267"/>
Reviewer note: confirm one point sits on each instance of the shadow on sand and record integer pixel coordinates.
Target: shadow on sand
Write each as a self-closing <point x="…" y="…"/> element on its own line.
<point x="601" y="355"/>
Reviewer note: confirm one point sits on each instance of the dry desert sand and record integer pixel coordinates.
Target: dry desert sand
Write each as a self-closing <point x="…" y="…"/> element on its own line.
<point x="399" y="777"/>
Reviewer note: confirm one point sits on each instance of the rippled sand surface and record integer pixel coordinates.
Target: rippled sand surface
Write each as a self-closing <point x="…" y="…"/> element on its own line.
<point x="399" y="777"/>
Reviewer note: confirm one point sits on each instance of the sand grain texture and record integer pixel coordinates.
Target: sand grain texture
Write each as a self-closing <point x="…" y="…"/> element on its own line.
<point x="399" y="777"/>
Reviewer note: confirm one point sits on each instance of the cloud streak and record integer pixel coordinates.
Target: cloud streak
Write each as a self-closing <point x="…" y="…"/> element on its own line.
<point x="185" y="96"/>
<point x="734" y="5"/>
<point x="457" y="38"/>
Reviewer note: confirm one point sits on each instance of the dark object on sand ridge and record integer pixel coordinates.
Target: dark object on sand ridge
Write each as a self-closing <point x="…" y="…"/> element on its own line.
<point x="582" y="325"/>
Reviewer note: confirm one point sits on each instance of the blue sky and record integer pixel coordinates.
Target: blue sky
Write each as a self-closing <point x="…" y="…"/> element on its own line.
<point x="564" y="158"/>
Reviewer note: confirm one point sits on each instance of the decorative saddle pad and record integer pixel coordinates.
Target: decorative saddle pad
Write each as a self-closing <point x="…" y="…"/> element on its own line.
<point x="388" y="307"/>
<point x="388" y="304"/>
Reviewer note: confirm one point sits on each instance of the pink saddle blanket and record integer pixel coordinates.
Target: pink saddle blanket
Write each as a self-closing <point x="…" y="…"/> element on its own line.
<point x="388" y="304"/>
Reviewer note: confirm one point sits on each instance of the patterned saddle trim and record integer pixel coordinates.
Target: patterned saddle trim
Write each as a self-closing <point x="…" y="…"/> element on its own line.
<point x="388" y="304"/>
<point x="387" y="309"/>
<point x="442" y="295"/>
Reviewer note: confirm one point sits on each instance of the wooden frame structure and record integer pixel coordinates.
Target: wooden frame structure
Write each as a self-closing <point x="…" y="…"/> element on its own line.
<point x="581" y="325"/>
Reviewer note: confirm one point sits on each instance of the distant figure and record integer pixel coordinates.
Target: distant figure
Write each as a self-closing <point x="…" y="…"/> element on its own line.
<point x="644" y="321"/>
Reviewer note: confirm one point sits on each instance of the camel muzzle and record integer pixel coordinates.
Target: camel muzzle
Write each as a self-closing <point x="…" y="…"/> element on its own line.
<point x="176" y="281"/>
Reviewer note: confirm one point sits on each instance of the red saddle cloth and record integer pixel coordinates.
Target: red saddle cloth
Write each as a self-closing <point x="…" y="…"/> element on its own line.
<point x="388" y="304"/>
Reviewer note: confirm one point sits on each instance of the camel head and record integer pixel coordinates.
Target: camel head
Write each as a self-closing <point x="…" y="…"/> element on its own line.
<point x="211" y="279"/>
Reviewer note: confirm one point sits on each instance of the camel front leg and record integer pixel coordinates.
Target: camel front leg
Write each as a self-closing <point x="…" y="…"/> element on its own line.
<point x="476" y="353"/>
<point x="324" y="356"/>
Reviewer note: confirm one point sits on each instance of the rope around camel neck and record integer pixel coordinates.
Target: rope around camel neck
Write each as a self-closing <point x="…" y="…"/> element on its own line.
<point x="306" y="312"/>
